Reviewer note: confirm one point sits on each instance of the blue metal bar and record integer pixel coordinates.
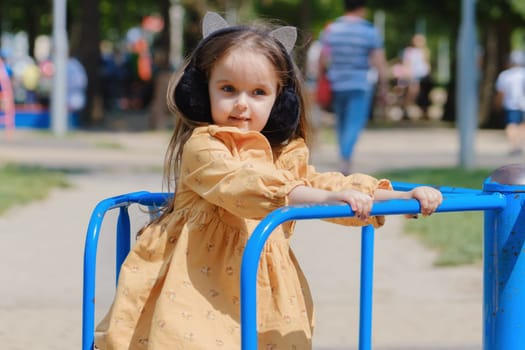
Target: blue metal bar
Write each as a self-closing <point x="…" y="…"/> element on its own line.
<point x="467" y="202"/>
<point x="90" y="253"/>
<point x="90" y="256"/>
<point x="504" y="271"/>
<point x="366" y="288"/>
<point x="407" y="186"/>
<point x="123" y="239"/>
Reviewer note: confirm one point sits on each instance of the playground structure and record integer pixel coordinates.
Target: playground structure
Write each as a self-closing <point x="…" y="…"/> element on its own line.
<point x="19" y="116"/>
<point x="503" y="265"/>
<point x="7" y="101"/>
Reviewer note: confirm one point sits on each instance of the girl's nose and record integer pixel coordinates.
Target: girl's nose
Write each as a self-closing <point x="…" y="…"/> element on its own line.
<point x="240" y="103"/>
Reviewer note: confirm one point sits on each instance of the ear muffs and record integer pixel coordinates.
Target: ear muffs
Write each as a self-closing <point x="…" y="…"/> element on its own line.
<point x="284" y="117"/>
<point x="192" y="99"/>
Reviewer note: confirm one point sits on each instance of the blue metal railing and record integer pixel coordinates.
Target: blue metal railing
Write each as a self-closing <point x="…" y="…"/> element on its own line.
<point x="123" y="245"/>
<point x="252" y="252"/>
<point x="504" y="266"/>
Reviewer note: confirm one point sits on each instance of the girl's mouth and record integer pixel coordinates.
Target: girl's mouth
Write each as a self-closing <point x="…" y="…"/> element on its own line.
<point x="239" y="119"/>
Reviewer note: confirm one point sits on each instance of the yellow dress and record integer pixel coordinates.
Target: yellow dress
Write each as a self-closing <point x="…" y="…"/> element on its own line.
<point x="179" y="286"/>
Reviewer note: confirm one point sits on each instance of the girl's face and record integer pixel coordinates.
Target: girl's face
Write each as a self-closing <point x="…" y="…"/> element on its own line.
<point x="243" y="87"/>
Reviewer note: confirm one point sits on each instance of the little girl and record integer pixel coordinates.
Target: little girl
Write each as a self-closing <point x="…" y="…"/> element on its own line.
<point x="237" y="153"/>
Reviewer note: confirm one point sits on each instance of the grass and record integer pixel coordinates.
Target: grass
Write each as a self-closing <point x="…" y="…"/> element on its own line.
<point x="456" y="237"/>
<point x="21" y="184"/>
<point x="109" y="145"/>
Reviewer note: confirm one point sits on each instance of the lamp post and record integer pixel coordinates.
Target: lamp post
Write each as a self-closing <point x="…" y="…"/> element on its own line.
<point x="176" y="37"/>
<point x="466" y="88"/>
<point x="60" y="53"/>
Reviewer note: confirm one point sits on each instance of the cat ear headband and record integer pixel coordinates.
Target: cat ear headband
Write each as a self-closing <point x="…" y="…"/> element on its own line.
<point x="192" y="97"/>
<point x="213" y="22"/>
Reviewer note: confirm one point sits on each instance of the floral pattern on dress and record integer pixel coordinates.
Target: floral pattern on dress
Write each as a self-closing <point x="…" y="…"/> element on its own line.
<point x="179" y="287"/>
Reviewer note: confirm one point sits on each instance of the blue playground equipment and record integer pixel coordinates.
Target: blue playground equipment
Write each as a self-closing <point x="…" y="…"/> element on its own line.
<point x="501" y="200"/>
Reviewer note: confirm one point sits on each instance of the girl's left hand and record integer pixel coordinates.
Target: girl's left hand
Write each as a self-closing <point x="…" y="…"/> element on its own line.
<point x="428" y="197"/>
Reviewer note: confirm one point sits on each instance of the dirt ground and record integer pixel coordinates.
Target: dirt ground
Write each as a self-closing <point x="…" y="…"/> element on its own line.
<point x="416" y="305"/>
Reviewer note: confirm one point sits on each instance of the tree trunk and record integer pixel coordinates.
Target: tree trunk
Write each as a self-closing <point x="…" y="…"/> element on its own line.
<point x="162" y="42"/>
<point x="497" y="47"/>
<point x="158" y="116"/>
<point x="32" y="28"/>
<point x="488" y="75"/>
<point x="305" y="23"/>
<point x="88" y="51"/>
<point x="2" y="12"/>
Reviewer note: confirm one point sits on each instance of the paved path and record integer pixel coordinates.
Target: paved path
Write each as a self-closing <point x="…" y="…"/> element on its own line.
<point x="416" y="306"/>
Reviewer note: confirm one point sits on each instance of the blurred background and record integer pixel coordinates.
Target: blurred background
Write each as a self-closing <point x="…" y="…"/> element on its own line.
<point x="128" y="48"/>
<point x="112" y="59"/>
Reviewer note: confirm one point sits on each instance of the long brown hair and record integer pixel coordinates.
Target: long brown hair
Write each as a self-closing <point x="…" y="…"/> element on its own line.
<point x="255" y="38"/>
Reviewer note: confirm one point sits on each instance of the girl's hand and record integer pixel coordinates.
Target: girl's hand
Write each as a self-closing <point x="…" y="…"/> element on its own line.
<point x="361" y="203"/>
<point x="429" y="198"/>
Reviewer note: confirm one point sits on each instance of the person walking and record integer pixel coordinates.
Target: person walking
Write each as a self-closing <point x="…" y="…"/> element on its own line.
<point x="353" y="55"/>
<point x="510" y="87"/>
<point x="77" y="82"/>
<point x="416" y="61"/>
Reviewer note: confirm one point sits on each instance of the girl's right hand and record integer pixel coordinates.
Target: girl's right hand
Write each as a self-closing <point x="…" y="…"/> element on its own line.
<point x="361" y="203"/>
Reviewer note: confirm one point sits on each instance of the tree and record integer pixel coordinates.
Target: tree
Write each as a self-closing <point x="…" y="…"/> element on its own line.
<point x="94" y="20"/>
<point x="31" y="16"/>
<point x="90" y="21"/>
<point x="85" y="46"/>
<point x="496" y="22"/>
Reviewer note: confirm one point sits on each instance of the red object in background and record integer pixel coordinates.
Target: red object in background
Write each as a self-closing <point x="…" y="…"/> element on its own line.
<point x="7" y="113"/>
<point x="153" y="23"/>
<point x="324" y="92"/>
<point x="144" y="60"/>
<point x="47" y="68"/>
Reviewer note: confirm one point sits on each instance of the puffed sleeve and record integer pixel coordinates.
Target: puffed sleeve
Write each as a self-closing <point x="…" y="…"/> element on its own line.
<point x="235" y="171"/>
<point x="295" y="159"/>
<point x="333" y="181"/>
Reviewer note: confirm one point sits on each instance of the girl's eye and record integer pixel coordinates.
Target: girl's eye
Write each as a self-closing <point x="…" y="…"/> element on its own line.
<point x="228" y="88"/>
<point x="259" y="92"/>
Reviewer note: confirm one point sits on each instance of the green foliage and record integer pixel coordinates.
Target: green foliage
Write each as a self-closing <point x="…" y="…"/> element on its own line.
<point x="21" y="184"/>
<point x="417" y="16"/>
<point x="518" y="6"/>
<point x="456" y="237"/>
<point x="518" y="39"/>
<point x="21" y="14"/>
<point x="452" y="176"/>
<point x="437" y="19"/>
<point x="293" y="11"/>
<point x="116" y="17"/>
